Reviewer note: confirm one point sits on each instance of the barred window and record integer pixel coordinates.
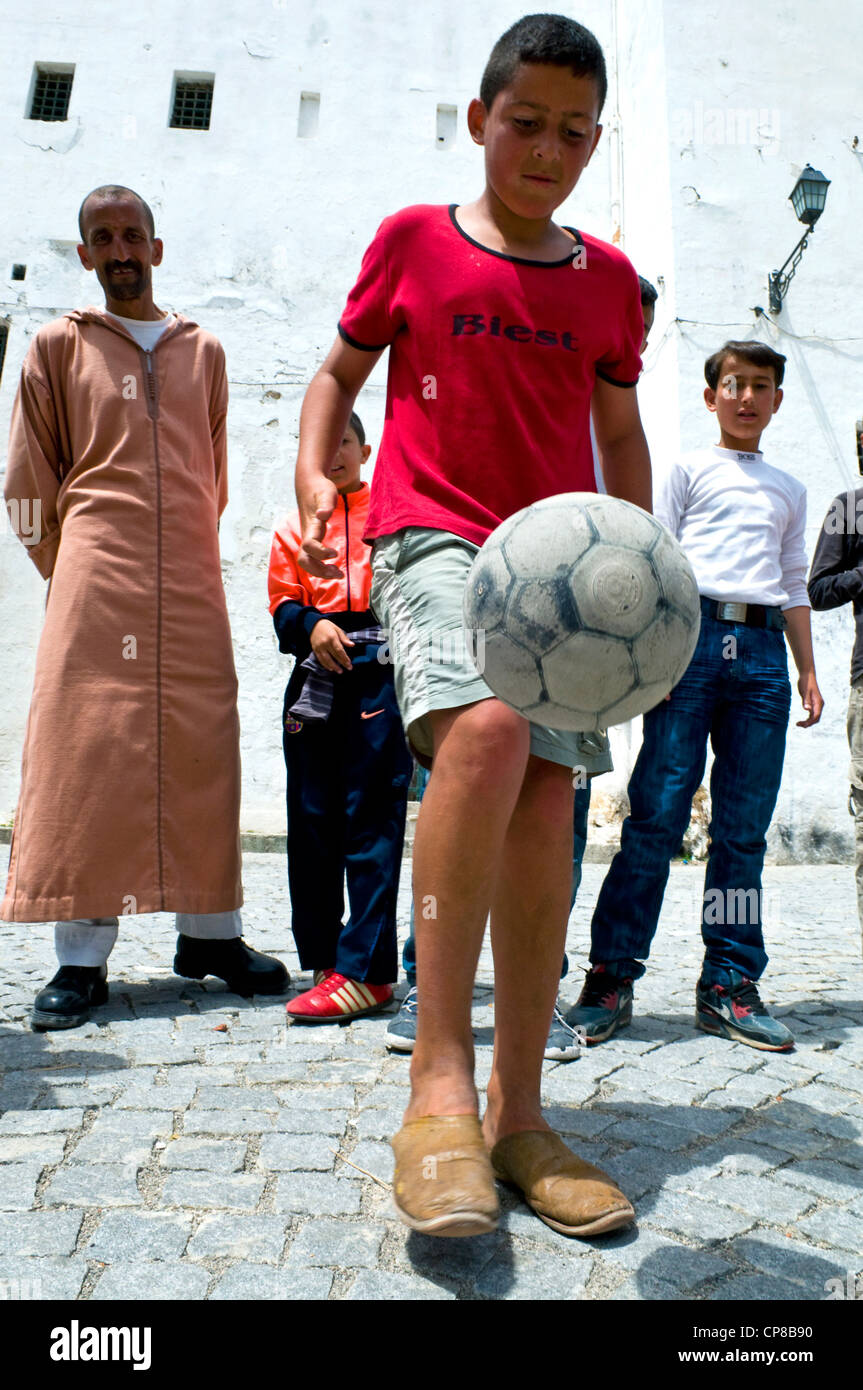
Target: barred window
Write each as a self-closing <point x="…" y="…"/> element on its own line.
<point x="4" y="334"/>
<point x="52" y="88"/>
<point x="193" y="103"/>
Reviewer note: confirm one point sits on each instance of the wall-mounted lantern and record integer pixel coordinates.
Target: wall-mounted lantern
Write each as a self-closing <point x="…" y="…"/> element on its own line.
<point x="808" y="197"/>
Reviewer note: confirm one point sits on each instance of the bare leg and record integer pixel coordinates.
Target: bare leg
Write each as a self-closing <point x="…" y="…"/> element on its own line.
<point x="497" y="833"/>
<point x="480" y="756"/>
<point x="528" y="929"/>
<point x="529" y="917"/>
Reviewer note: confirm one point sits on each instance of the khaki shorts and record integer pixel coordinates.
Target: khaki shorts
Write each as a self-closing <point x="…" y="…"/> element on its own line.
<point x="418" y="579"/>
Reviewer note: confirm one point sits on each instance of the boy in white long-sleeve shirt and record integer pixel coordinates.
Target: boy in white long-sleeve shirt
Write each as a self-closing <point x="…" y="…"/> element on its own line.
<point x="741" y="521"/>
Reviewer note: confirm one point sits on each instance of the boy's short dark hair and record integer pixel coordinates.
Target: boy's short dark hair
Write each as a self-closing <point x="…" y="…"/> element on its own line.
<point x="117" y="190"/>
<point x="544" y="38"/>
<point x="758" y="354"/>
<point x="649" y="294"/>
<point x="356" y="424"/>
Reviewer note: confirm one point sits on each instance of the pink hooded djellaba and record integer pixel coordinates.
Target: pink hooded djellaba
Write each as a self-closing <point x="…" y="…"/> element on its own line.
<point x="130" y="783"/>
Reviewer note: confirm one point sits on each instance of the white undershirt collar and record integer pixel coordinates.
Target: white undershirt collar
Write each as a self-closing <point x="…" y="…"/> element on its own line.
<point x="754" y="457"/>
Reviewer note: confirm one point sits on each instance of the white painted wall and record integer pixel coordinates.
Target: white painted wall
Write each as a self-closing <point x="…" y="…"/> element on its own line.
<point x="793" y="65"/>
<point x="264" y="232"/>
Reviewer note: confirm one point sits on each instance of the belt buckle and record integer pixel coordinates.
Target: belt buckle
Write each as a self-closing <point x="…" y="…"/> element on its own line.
<point x="733" y="612"/>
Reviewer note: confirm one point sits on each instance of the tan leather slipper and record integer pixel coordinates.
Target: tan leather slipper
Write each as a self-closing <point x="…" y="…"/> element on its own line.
<point x="566" y="1193"/>
<point x="443" y="1183"/>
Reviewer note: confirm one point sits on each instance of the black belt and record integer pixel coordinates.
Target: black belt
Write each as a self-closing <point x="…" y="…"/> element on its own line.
<point x="749" y="614"/>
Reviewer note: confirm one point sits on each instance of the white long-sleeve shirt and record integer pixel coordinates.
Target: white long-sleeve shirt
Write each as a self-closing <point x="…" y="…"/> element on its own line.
<point x="741" y="522"/>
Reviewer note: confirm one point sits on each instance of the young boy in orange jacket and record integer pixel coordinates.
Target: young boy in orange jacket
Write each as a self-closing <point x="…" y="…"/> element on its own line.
<point x="347" y="760"/>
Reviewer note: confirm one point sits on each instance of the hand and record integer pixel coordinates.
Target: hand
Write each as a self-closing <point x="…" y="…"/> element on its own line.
<point x="812" y="699"/>
<point x="313" y="554"/>
<point x="329" y="645"/>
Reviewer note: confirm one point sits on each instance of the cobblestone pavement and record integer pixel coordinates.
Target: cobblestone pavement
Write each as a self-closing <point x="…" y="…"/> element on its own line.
<point x="187" y="1145"/>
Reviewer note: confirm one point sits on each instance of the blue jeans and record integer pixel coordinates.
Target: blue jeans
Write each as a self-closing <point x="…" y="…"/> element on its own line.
<point x="581" y="806"/>
<point x="409" y="950"/>
<point x="736" y="692"/>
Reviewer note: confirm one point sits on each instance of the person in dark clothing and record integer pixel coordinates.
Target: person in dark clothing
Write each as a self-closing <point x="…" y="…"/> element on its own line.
<point x="836" y="577"/>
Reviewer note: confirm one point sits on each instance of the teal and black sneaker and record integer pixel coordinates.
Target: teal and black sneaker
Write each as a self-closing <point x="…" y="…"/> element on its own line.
<point x="402" y="1031"/>
<point x="604" y="1005"/>
<point x="735" y="1011"/>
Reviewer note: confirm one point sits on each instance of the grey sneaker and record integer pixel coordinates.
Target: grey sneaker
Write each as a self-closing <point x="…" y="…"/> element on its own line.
<point x="564" y="1043"/>
<point x="402" y="1032"/>
<point x="604" y="1005"/>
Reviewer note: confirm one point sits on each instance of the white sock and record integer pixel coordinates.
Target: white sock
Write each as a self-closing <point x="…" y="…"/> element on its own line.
<point x="85" y="940"/>
<point x="210" y="926"/>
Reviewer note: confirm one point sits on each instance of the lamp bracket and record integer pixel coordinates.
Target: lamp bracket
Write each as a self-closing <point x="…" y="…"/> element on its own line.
<point x="779" y="280"/>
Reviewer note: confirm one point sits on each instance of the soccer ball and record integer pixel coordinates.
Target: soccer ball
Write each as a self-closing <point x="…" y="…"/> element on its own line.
<point x="583" y="610"/>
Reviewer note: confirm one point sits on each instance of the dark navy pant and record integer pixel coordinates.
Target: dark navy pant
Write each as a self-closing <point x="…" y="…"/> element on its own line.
<point x="348" y="781"/>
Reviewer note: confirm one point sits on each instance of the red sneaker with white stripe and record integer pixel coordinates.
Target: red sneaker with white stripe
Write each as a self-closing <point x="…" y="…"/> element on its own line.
<point x="337" y="1000"/>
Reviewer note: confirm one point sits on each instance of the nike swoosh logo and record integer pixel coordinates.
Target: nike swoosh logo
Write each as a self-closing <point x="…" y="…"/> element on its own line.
<point x="364" y="714"/>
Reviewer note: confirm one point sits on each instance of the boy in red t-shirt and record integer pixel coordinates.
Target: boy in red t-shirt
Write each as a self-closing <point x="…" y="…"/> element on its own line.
<point x="503" y="328"/>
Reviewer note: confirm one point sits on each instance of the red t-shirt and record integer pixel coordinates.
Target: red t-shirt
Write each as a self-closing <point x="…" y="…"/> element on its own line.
<point x="492" y="363"/>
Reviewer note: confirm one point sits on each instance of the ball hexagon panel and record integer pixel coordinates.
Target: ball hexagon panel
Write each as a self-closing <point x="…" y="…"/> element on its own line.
<point x="512" y="672"/>
<point x="553" y="716"/>
<point x="547" y="537"/>
<point x="539" y="613"/>
<point x="486" y="595"/>
<point x="622" y="523"/>
<point x="587" y="671"/>
<point x="664" y="650"/>
<point x="638" y="701"/>
<point x="677" y="578"/>
<point x="615" y="590"/>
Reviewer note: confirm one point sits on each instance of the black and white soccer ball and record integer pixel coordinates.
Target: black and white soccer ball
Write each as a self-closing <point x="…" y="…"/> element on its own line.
<point x="584" y="611"/>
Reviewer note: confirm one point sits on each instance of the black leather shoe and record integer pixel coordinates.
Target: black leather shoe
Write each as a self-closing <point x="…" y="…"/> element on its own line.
<point x="244" y="971"/>
<point x="66" y="1000"/>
